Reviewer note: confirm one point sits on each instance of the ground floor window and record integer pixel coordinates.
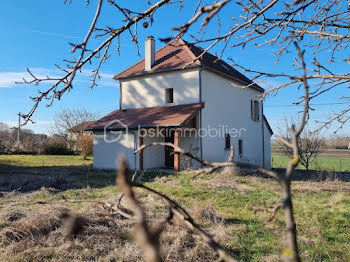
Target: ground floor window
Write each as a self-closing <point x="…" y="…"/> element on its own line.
<point x="240" y="147"/>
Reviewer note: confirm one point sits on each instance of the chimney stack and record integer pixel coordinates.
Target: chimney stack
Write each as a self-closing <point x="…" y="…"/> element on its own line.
<point x="149" y="52"/>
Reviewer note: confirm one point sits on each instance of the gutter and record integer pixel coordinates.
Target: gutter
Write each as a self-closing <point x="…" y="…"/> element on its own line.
<point x="263" y="135"/>
<point x="200" y="113"/>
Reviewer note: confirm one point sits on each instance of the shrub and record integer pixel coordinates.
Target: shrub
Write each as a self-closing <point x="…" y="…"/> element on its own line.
<point x="85" y="144"/>
<point x="56" y="146"/>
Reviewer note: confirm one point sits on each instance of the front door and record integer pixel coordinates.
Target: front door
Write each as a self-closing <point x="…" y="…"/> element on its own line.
<point x="169" y="156"/>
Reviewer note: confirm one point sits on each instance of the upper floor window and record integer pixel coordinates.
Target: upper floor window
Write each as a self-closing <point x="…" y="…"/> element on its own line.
<point x="169" y="95"/>
<point x="255" y="110"/>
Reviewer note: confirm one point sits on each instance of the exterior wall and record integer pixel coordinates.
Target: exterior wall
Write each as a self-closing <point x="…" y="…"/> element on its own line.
<point x="72" y="139"/>
<point x="106" y="154"/>
<point x="190" y="141"/>
<point x="228" y="105"/>
<point x="154" y="156"/>
<point x="149" y="90"/>
<point x="267" y="146"/>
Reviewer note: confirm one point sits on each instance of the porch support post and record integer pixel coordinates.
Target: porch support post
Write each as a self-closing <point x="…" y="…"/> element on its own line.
<point x="141" y="154"/>
<point x="177" y="155"/>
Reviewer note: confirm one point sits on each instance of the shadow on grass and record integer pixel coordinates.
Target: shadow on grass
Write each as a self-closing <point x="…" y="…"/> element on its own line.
<point x="27" y="179"/>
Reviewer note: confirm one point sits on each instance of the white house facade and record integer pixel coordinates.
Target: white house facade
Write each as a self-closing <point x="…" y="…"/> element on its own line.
<point x="204" y="106"/>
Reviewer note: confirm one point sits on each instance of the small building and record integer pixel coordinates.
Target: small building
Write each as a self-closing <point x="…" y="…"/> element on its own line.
<point x="203" y="105"/>
<point x="74" y="132"/>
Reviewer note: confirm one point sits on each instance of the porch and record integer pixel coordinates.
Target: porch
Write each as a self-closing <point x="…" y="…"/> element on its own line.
<point x="124" y="131"/>
<point x="163" y="157"/>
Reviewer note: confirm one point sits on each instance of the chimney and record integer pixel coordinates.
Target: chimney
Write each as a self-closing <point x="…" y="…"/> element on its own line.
<point x="149" y="52"/>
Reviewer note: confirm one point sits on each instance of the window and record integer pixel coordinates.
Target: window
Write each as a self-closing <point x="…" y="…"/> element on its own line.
<point x="227" y="141"/>
<point x="169" y="95"/>
<point x="240" y="147"/>
<point x="254" y="107"/>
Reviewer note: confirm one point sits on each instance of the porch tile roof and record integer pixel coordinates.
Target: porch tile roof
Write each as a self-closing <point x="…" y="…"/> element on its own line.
<point x="171" y="116"/>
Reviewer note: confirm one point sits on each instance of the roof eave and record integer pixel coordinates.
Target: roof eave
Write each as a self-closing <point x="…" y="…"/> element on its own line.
<point x="144" y="73"/>
<point x="257" y="87"/>
<point x="202" y="105"/>
<point x="268" y="125"/>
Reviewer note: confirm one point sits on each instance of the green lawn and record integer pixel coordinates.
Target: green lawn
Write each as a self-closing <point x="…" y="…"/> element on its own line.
<point x="44" y="160"/>
<point x="321" y="163"/>
<point x="220" y="203"/>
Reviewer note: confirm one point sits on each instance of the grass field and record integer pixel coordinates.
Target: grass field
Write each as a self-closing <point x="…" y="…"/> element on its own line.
<point x="44" y="160"/>
<point x="321" y="163"/>
<point x="30" y="228"/>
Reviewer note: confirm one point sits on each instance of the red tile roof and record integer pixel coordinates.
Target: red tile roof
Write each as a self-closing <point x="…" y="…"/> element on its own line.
<point x="147" y="117"/>
<point x="78" y="128"/>
<point x="180" y="54"/>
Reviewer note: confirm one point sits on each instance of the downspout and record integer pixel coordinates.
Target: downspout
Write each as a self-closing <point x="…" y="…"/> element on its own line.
<point x="200" y="112"/>
<point x="135" y="148"/>
<point x="262" y="132"/>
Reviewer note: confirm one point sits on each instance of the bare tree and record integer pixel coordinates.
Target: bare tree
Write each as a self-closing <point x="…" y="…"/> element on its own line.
<point x="71" y="120"/>
<point x="321" y="27"/>
<point x="309" y="144"/>
<point x="291" y="253"/>
<point x="30" y="142"/>
<point x="70" y="125"/>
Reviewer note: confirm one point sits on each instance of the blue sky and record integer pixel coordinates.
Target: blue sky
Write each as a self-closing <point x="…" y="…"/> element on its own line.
<point x="36" y="35"/>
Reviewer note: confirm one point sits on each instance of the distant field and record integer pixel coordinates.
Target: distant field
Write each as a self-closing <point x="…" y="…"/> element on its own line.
<point x="44" y="160"/>
<point x="344" y="153"/>
<point x="321" y="163"/>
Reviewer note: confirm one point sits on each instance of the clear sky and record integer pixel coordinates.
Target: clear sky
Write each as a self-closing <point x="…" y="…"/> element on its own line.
<point x="36" y="33"/>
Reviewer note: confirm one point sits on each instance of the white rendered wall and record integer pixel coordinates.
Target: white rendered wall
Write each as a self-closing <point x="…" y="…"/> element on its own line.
<point x="106" y="154"/>
<point x="149" y="90"/>
<point x="267" y="146"/>
<point x="227" y="104"/>
<point x="154" y="156"/>
<point x="190" y="142"/>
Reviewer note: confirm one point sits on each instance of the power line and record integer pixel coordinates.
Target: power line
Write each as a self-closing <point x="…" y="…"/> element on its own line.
<point x="319" y="104"/>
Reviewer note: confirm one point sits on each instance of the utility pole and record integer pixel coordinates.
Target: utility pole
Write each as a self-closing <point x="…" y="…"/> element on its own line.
<point x="18" y="129"/>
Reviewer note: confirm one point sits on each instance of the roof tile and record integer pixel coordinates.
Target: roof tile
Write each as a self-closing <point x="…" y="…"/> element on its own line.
<point x="147" y="117"/>
<point x="180" y="54"/>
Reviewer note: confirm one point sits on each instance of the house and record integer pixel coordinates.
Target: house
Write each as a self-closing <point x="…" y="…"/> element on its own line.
<point x="74" y="132"/>
<point x="203" y="105"/>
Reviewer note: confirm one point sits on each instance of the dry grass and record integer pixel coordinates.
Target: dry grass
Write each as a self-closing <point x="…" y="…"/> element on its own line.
<point x="220" y="203"/>
<point x="226" y="179"/>
<point x="42" y="234"/>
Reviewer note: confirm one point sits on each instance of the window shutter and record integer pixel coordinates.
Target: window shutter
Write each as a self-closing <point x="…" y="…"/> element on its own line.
<point x="256" y="110"/>
<point x="227" y="141"/>
<point x="251" y="109"/>
<point x="240" y="146"/>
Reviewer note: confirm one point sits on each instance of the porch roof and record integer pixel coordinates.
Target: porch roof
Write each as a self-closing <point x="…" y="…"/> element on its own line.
<point x="164" y="116"/>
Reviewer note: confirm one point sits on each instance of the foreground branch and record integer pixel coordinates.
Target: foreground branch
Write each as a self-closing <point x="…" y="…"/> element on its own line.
<point x="150" y="241"/>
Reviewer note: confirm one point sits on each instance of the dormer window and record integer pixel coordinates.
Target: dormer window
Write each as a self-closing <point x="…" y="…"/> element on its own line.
<point x="169" y="95"/>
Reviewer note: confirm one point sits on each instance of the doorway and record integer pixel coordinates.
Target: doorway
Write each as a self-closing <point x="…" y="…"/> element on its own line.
<point x="169" y="156"/>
